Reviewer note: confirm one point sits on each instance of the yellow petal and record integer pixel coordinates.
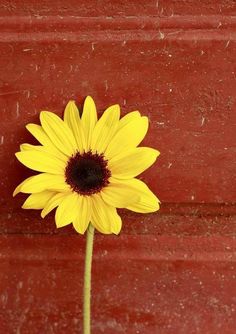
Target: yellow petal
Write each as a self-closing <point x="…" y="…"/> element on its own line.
<point x="54" y="201"/>
<point x="89" y="120"/>
<point x="43" y="182"/>
<point x="29" y="147"/>
<point x="72" y="119"/>
<point x="104" y="217"/>
<point x="116" y="222"/>
<point x="41" y="162"/>
<point x="58" y="132"/>
<point x="118" y="195"/>
<point x="18" y="188"/>
<point x="38" y="200"/>
<point x="129" y="136"/>
<point x="48" y="149"/>
<point x="105" y="129"/>
<point x="133" y="162"/>
<point x="148" y="202"/>
<point x="84" y="214"/>
<point x="131" y="116"/>
<point x="67" y="210"/>
<point x="38" y="132"/>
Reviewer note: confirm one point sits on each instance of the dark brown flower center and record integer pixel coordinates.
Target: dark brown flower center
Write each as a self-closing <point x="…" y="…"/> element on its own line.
<point x="87" y="173"/>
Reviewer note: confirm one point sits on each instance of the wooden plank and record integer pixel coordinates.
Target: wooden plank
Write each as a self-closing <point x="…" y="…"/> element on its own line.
<point x="141" y="284"/>
<point x="173" y="219"/>
<point x="116" y="8"/>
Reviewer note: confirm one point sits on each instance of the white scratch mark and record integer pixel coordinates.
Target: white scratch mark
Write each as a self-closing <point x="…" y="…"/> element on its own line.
<point x="27" y="94"/>
<point x="170" y="55"/>
<point x="227" y="44"/>
<point x="169" y="165"/>
<point x="36" y="67"/>
<point x="71" y="69"/>
<point x="26" y="50"/>
<point x="203" y="121"/>
<point x="123" y="43"/>
<point x="157" y="4"/>
<point x="170" y="90"/>
<point x="192" y="197"/>
<point x="1" y="140"/>
<point x="20" y="285"/>
<point x="11" y="92"/>
<point x="219" y="25"/>
<point x="124" y="102"/>
<point x="160" y="123"/>
<point x="17" y="109"/>
<point x="202" y="52"/>
<point x="92" y="46"/>
<point x="106" y="85"/>
<point x="162" y="35"/>
<point x="174" y="32"/>
<point x="4" y="298"/>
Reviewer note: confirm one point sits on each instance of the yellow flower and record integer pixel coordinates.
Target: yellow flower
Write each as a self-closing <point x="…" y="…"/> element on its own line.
<point x="88" y="167"/>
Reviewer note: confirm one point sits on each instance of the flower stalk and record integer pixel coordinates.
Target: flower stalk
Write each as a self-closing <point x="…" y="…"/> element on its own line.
<point x="87" y="281"/>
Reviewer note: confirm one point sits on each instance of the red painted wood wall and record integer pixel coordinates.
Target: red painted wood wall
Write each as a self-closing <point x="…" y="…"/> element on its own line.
<point x="174" y="60"/>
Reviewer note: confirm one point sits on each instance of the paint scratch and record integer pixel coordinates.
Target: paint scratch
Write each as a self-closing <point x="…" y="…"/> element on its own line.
<point x="17" y="109"/>
<point x="227" y="44"/>
<point x="71" y="68"/>
<point x="203" y="121"/>
<point x="161" y="34"/>
<point x="27" y="94"/>
<point x="106" y="85"/>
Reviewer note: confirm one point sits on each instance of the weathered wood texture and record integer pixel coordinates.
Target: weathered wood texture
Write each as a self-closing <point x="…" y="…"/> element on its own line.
<point x="170" y="272"/>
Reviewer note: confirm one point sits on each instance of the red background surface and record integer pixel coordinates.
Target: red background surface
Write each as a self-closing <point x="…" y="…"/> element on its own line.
<point x="169" y="272"/>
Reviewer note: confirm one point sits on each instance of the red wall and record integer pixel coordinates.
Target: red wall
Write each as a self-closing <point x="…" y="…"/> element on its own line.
<point x="169" y="272"/>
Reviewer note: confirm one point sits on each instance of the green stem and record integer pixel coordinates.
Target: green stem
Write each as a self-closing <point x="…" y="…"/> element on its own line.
<point x="87" y="280"/>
